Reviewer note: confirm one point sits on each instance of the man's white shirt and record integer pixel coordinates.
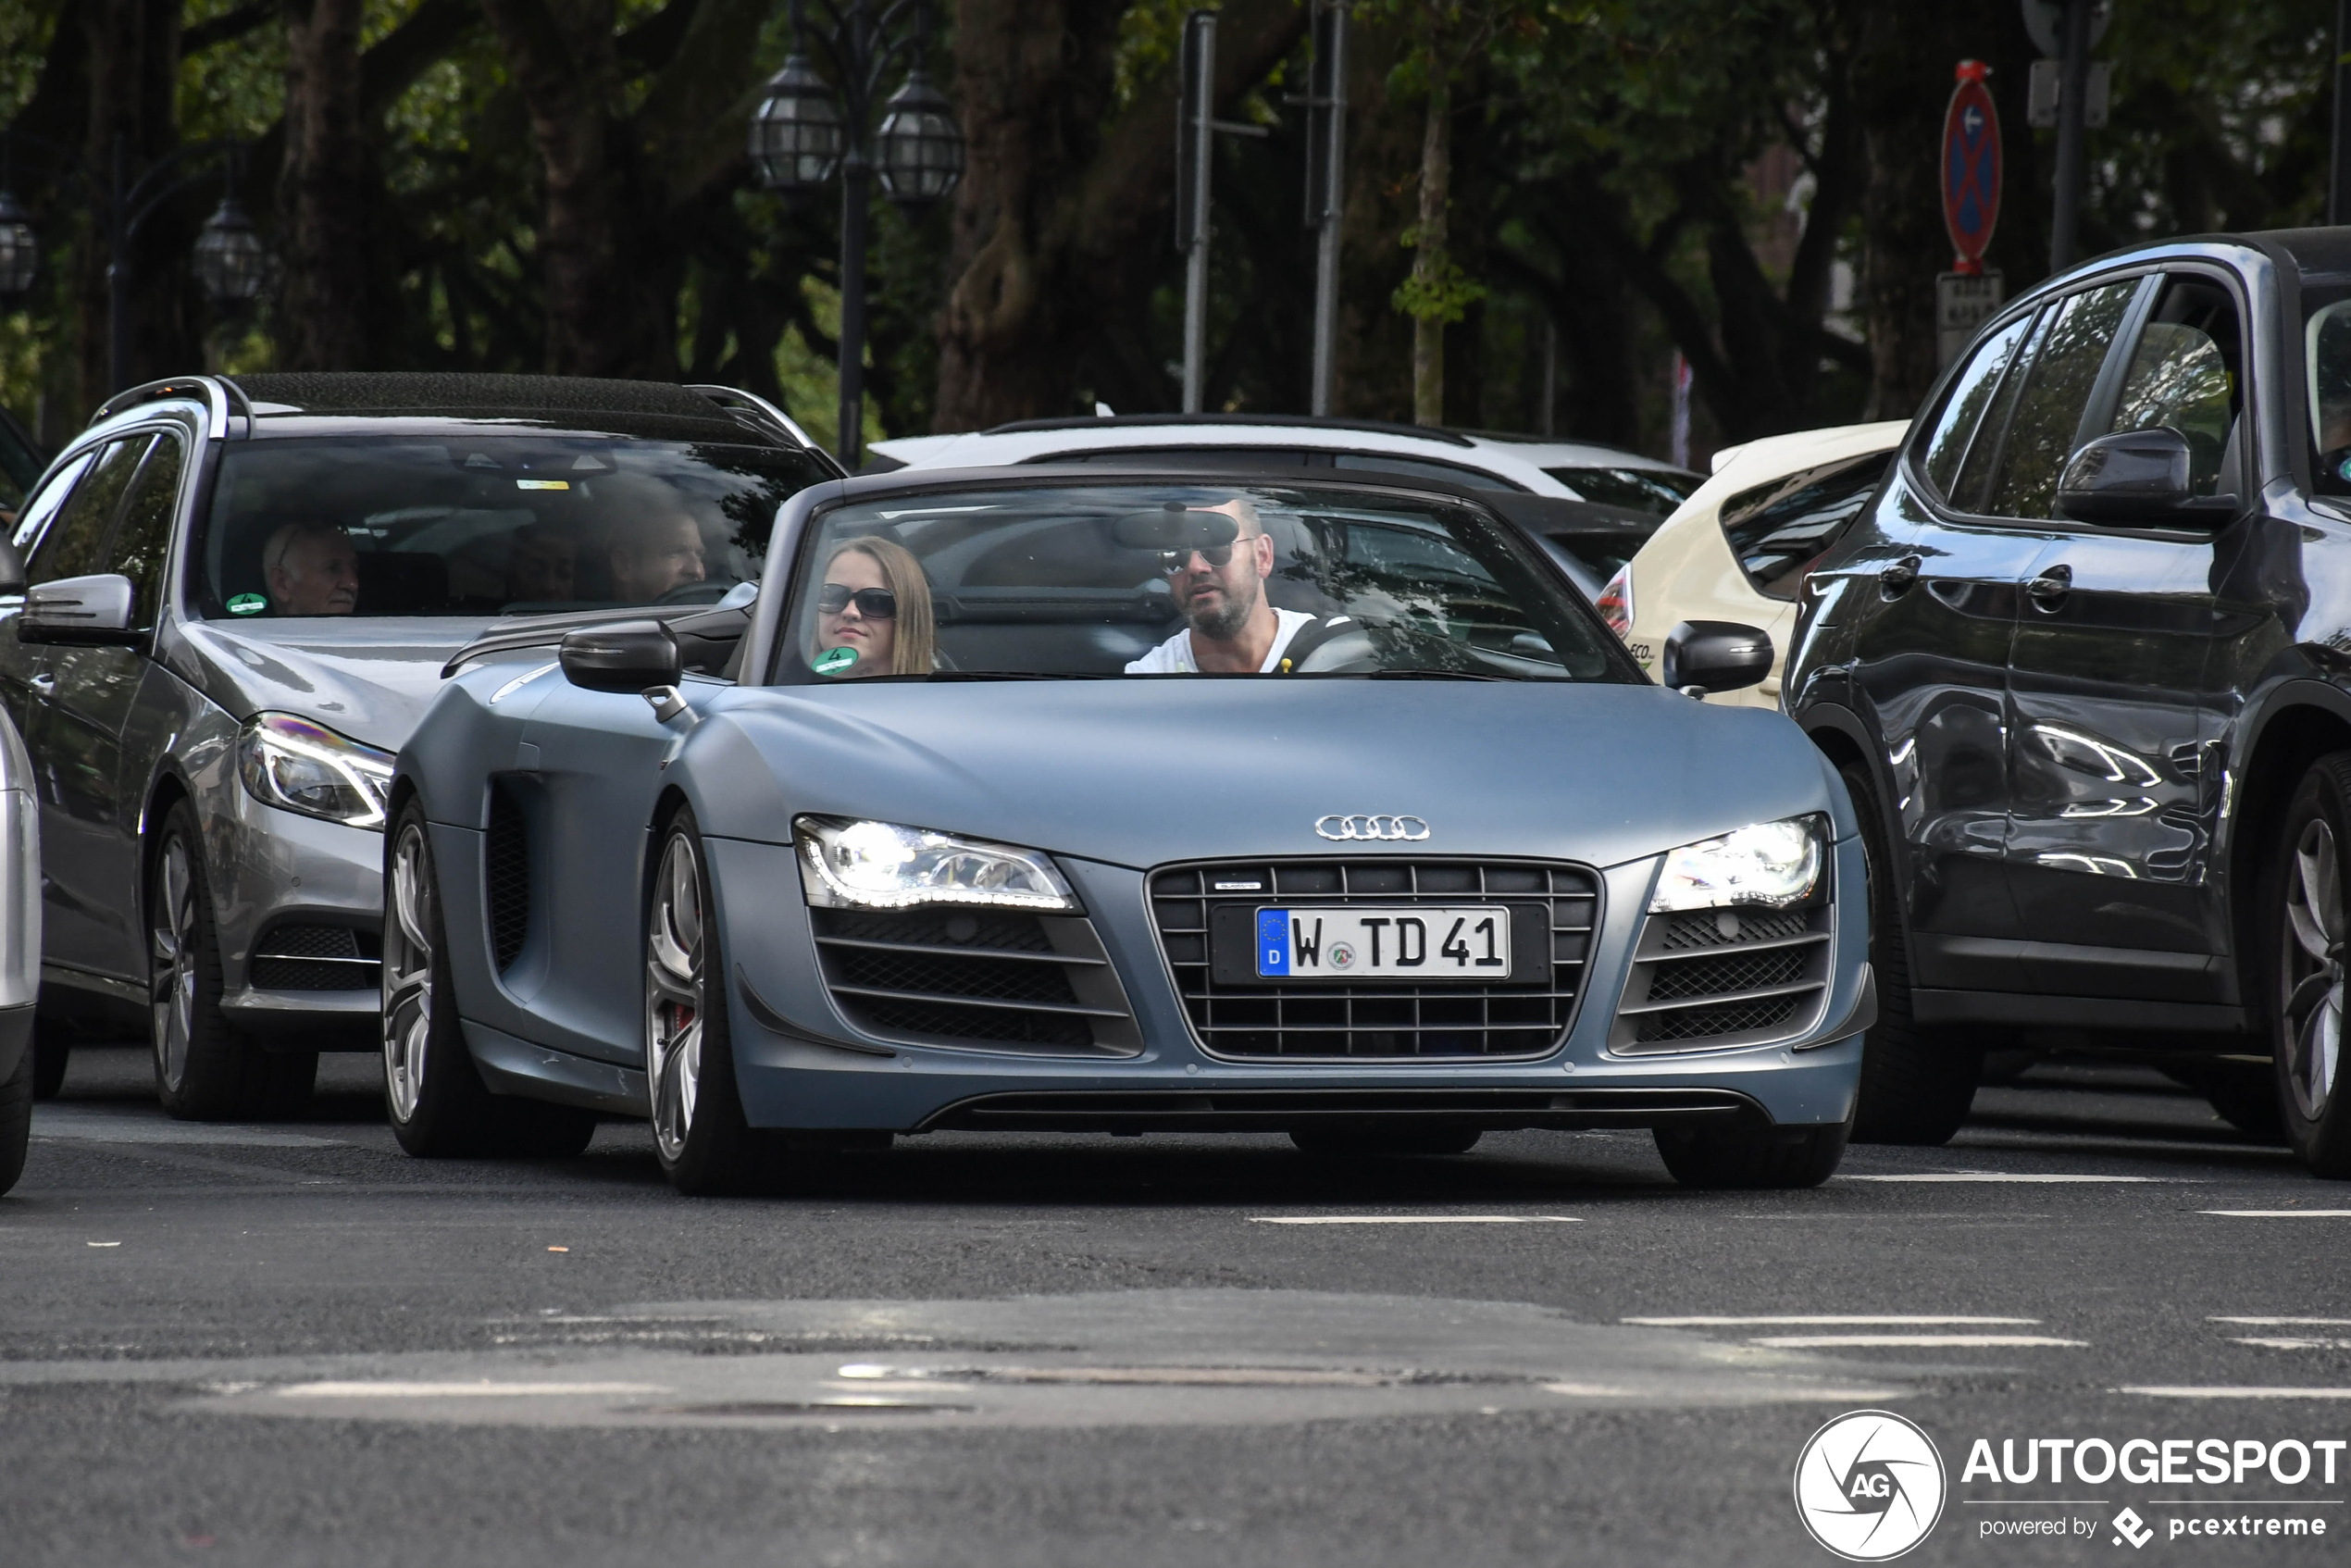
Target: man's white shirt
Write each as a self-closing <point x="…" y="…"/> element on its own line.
<point x="1175" y="655"/>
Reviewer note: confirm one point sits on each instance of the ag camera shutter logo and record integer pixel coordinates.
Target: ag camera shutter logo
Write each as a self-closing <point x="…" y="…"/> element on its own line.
<point x="1869" y="1485"/>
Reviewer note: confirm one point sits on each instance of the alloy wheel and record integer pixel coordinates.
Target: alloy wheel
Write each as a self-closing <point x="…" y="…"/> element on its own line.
<point x="172" y="968"/>
<point x="2313" y="976"/>
<point x="407" y="972"/>
<point x="674" y="986"/>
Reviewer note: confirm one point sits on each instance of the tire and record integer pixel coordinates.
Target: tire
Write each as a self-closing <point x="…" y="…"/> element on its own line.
<point x="1916" y="1084"/>
<point x="434" y="1096"/>
<point x="52" y="1052"/>
<point x="1751" y="1156"/>
<point x="1378" y="1142"/>
<point x="2304" y="932"/>
<point x="705" y="1144"/>
<point x="206" y="1068"/>
<point x="16" y="1121"/>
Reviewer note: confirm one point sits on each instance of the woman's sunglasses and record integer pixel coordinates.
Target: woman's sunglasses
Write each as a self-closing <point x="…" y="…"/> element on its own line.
<point x="874" y="603"/>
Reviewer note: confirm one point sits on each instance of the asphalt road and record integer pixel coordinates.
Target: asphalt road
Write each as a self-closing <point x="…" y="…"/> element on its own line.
<point x="291" y="1344"/>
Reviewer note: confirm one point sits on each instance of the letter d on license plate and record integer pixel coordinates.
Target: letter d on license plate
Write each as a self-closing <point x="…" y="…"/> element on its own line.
<point x="1417" y="942"/>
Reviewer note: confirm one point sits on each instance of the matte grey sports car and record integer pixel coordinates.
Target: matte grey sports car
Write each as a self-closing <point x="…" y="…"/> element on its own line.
<point x="1081" y="801"/>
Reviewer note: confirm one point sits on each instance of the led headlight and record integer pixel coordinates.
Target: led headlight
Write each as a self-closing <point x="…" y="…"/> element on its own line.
<point x="857" y="864"/>
<point x="1771" y="863"/>
<point x="297" y="765"/>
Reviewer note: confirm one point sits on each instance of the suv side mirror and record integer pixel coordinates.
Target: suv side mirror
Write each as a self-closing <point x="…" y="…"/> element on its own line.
<point x="11" y="570"/>
<point x="621" y="656"/>
<point x="84" y="611"/>
<point x="2136" y="477"/>
<point x="1703" y="656"/>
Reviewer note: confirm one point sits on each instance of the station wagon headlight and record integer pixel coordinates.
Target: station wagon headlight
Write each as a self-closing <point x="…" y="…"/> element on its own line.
<point x="850" y="864"/>
<point x="1771" y="864"/>
<point x="297" y="765"/>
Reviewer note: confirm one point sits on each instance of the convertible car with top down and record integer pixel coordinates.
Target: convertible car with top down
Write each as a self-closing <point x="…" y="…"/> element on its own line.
<point x="1084" y="799"/>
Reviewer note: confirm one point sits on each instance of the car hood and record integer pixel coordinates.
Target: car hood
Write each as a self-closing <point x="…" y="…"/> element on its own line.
<point x="1137" y="773"/>
<point x="368" y="678"/>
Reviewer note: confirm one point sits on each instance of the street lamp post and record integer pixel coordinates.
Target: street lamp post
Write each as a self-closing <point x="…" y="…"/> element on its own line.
<point x="231" y="262"/>
<point x="805" y="129"/>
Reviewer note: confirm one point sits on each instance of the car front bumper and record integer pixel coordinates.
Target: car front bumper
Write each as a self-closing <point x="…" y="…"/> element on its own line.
<point x="801" y="1065"/>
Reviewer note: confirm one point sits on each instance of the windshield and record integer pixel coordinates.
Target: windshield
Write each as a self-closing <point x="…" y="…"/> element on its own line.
<point x="2326" y="360"/>
<point x="1178" y="579"/>
<point x="488" y="525"/>
<point x="1654" y="490"/>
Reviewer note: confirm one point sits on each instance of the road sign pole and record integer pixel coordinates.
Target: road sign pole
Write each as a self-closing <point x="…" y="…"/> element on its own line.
<point x="2073" y="154"/>
<point x="1194" y="130"/>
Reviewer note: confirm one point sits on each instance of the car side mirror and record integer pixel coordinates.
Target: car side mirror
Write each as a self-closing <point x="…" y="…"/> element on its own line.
<point x="1703" y="656"/>
<point x="11" y="570"/>
<point x="621" y="656"/>
<point x="2136" y="477"/>
<point x="83" y="611"/>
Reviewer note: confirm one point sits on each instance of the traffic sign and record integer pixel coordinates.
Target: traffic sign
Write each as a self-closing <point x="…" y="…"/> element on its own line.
<point x="1971" y="167"/>
<point x="2045" y="21"/>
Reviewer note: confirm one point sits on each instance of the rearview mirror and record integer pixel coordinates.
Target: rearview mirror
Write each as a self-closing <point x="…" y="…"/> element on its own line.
<point x="1173" y="528"/>
<point x="1703" y="656"/>
<point x="2136" y="477"/>
<point x="621" y="656"/>
<point x="87" y="611"/>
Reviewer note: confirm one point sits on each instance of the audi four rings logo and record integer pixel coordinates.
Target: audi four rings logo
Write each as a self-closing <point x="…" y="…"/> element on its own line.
<point x="1364" y="828"/>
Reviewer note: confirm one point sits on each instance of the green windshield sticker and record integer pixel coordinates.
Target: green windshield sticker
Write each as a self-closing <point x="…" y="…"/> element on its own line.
<point x="248" y="605"/>
<point x="835" y="661"/>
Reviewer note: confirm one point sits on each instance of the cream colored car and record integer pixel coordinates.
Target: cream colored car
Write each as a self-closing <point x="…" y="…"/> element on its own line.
<point x="1738" y="548"/>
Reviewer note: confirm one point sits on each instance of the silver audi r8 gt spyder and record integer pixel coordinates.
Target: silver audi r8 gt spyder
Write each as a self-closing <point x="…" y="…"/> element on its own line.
<point x="1084" y="799"/>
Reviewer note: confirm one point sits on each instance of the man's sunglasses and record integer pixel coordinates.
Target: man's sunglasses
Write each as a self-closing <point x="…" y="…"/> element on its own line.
<point x="874" y="603"/>
<point x="1218" y="556"/>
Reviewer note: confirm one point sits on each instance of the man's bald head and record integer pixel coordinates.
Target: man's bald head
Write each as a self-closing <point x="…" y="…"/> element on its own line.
<point x="310" y="569"/>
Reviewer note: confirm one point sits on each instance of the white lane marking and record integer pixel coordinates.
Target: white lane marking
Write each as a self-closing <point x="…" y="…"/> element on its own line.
<point x="1889" y="1320"/>
<point x="2280" y="1214"/>
<point x="1948" y="1341"/>
<point x="2296" y="1344"/>
<point x="2163" y="1391"/>
<point x="2286" y="1322"/>
<point x="1414" y="1219"/>
<point x="92" y="1123"/>
<point x="101" y="1244"/>
<point x="2044" y="1178"/>
<point x="458" y="1390"/>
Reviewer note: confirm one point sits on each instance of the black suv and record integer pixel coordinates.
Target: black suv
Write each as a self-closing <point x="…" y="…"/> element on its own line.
<point x="2085" y="664"/>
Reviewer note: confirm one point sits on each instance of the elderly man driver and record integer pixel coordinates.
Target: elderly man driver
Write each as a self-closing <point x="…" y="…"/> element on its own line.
<point x="1230" y="629"/>
<point x="310" y="569"/>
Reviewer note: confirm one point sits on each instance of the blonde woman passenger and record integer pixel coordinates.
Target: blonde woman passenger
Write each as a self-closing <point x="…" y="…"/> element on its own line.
<point x="874" y="604"/>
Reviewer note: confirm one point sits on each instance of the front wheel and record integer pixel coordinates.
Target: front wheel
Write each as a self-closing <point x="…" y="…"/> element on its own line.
<point x="1916" y="1085"/>
<point x="2303" y="907"/>
<point x="206" y="1068"/>
<point x="701" y="1135"/>
<point x="1748" y="1156"/>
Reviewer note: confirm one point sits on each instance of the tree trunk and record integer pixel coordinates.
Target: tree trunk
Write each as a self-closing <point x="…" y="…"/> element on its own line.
<point x="562" y="56"/>
<point x="1060" y="221"/>
<point x="324" y="193"/>
<point x="1429" y="254"/>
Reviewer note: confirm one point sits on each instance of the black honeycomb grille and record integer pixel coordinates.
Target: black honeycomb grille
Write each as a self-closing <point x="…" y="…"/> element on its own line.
<point x="316" y="958"/>
<point x="506" y="876"/>
<point x="968" y="977"/>
<point x="1723" y="977"/>
<point x="1375" y="1019"/>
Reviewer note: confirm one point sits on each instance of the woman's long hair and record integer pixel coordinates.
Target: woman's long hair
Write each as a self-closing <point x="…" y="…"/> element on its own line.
<point x="914" y="650"/>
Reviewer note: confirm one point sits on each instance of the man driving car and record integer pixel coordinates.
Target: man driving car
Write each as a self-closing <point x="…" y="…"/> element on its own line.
<point x="310" y="569"/>
<point x="1230" y="627"/>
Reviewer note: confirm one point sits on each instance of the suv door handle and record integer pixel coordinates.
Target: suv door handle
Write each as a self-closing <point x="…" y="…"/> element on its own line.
<point x="1895" y="580"/>
<point x="2048" y="589"/>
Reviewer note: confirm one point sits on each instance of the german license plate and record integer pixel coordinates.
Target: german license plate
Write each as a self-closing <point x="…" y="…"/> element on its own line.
<point x="1351" y="943"/>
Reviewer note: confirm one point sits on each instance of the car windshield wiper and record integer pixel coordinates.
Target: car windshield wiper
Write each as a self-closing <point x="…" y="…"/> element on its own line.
<point x="1411" y="674"/>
